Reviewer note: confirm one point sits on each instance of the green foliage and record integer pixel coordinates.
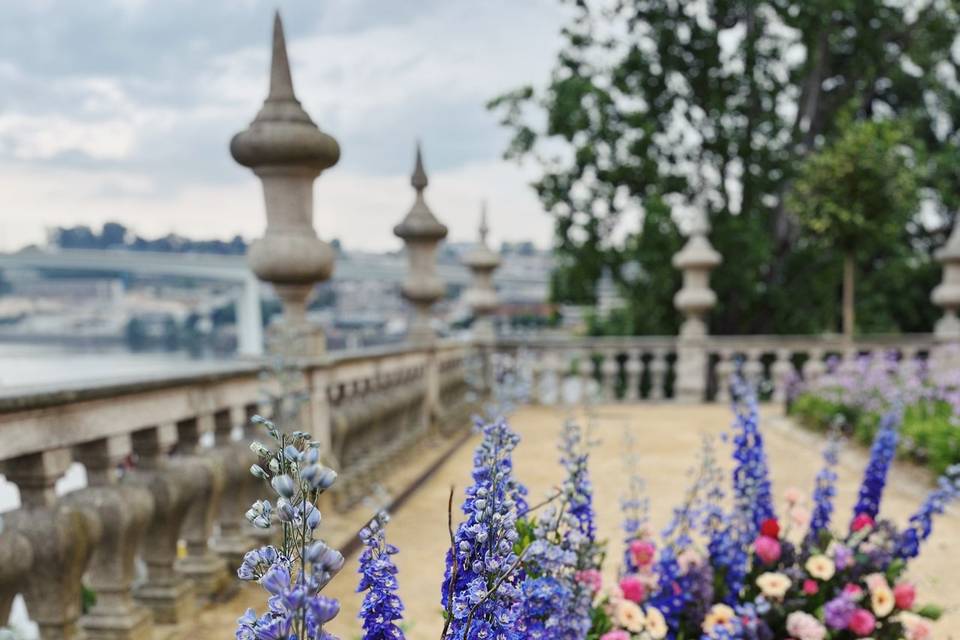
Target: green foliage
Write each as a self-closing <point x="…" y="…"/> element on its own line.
<point x="654" y="109"/>
<point x="859" y="190"/>
<point x="600" y="623"/>
<point x="928" y="435"/>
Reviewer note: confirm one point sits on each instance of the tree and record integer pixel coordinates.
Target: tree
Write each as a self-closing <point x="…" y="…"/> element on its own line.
<point x="858" y="191"/>
<point x="714" y="105"/>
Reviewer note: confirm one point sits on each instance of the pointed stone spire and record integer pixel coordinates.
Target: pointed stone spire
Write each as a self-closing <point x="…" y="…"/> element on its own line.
<point x="281" y="82"/>
<point x="484" y="228"/>
<point x="421" y="232"/>
<point x="419" y="179"/>
<point x="287" y="151"/>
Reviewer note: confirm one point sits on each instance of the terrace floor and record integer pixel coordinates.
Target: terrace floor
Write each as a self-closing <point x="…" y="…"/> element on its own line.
<point x="667" y="440"/>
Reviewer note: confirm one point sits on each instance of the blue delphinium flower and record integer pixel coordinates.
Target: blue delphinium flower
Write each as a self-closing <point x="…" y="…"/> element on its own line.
<point x="824" y="490"/>
<point x="480" y="590"/>
<point x="921" y="523"/>
<point x="751" y="476"/>
<point x="564" y="546"/>
<point x="381" y="607"/>
<point x="881" y="457"/>
<point x="294" y="573"/>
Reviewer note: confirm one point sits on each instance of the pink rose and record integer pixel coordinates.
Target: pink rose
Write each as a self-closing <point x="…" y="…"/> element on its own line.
<point x="853" y="590"/>
<point x="810" y="587"/>
<point x="904" y="595"/>
<point x="862" y="623"/>
<point x="861" y="521"/>
<point x="615" y="635"/>
<point x="768" y="549"/>
<point x="642" y="552"/>
<point x="633" y="589"/>
<point x="591" y="578"/>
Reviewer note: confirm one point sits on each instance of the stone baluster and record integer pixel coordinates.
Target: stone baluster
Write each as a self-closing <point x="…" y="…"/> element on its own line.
<point x="61" y="537"/>
<point x="753" y="369"/>
<point x="553" y="363"/>
<point x="165" y="592"/>
<point x="658" y="374"/>
<point x="585" y="375"/>
<point x="537" y="371"/>
<point x="813" y="367"/>
<point x="782" y="373"/>
<point x="609" y="368"/>
<point x="694" y="300"/>
<point x="634" y="367"/>
<point x="287" y="152"/>
<point x="124" y="511"/>
<point x="421" y="233"/>
<point x="16" y="558"/>
<point x="726" y="366"/>
<point x="232" y="541"/>
<point x="201" y="564"/>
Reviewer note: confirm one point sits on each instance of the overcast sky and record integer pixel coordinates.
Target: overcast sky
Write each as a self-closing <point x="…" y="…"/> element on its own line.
<point x="123" y="110"/>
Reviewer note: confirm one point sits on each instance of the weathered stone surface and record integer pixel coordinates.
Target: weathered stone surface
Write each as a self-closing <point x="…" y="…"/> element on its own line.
<point x="124" y="512"/>
<point x="16" y="558"/>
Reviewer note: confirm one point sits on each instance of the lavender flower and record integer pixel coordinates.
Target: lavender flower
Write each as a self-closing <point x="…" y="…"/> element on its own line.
<point x="875" y="476"/>
<point x="381" y="607"/>
<point x="921" y="523"/>
<point x="838" y="612"/>
<point x="295" y="573"/>
<point x="481" y="588"/>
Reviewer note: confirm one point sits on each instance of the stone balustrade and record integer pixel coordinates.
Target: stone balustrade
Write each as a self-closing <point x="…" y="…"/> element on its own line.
<point x="629" y="369"/>
<point x="159" y="526"/>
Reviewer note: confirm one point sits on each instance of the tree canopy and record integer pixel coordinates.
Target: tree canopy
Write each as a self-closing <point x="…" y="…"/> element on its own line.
<point x="657" y="107"/>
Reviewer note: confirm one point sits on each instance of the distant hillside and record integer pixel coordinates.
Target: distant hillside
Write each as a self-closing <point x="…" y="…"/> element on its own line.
<point x="114" y="235"/>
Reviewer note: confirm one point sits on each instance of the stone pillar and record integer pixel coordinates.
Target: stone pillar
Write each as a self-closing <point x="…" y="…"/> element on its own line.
<point x="232" y="541"/>
<point x="946" y="295"/>
<point x="694" y="299"/>
<point x="165" y="592"/>
<point x="482" y="298"/>
<point x="782" y="372"/>
<point x="658" y="374"/>
<point x="421" y="232"/>
<point x="16" y="558"/>
<point x="61" y="539"/>
<point x="634" y="368"/>
<point x="287" y="151"/>
<point x="124" y="511"/>
<point x="201" y="564"/>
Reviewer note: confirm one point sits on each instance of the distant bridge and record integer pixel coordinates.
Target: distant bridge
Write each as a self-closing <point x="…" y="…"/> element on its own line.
<point x="234" y="269"/>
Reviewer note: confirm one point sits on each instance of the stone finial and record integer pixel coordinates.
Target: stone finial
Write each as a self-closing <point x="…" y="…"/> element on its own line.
<point x="947" y="294"/>
<point x="482" y="294"/>
<point x="695" y="298"/>
<point x="421" y="232"/>
<point x="287" y="151"/>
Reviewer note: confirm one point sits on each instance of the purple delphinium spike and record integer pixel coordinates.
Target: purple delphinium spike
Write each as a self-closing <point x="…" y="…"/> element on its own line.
<point x="382" y="607"/>
<point x="921" y="523"/>
<point x="881" y="457"/>
<point x="751" y="476"/>
<point x="824" y="490"/>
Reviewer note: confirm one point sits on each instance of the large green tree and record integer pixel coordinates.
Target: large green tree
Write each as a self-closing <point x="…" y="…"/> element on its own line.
<point x="664" y="106"/>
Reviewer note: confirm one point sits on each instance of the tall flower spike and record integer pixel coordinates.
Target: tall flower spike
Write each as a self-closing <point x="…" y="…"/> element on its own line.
<point x="481" y="588"/>
<point x="824" y="490"/>
<point x="921" y="523"/>
<point x="382" y="607"/>
<point x="881" y="457"/>
<point x="751" y="475"/>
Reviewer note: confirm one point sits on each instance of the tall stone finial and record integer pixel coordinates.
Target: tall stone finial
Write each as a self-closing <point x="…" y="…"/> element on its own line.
<point x="482" y="295"/>
<point x="287" y="151"/>
<point x="947" y="294"/>
<point x="421" y="232"/>
<point x="694" y="299"/>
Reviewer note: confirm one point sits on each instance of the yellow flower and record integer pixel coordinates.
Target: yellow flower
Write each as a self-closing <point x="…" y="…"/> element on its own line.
<point x="820" y="567"/>
<point x="773" y="585"/>
<point x="629" y="616"/>
<point x="882" y="601"/>
<point x="656" y="624"/>
<point x="720" y="615"/>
